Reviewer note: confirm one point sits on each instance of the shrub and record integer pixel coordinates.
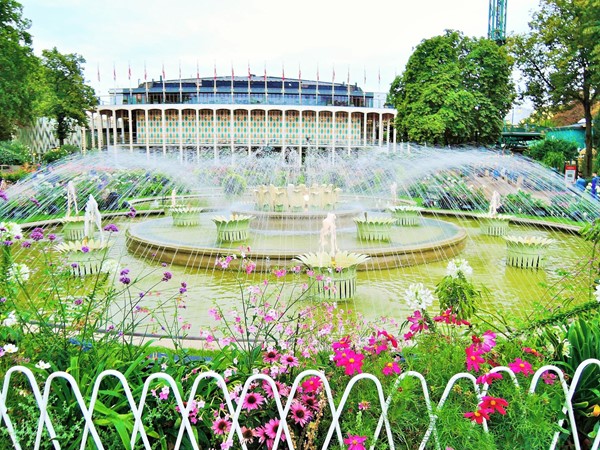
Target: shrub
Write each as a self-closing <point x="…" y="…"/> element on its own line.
<point x="57" y="153"/>
<point x="14" y="153"/>
<point x="233" y="184"/>
<point x="549" y="151"/>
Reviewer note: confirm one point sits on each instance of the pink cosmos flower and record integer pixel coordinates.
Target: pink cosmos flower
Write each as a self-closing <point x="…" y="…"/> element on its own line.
<point x="354" y="363"/>
<point x="548" y="377"/>
<point x="313" y="384"/>
<point x="341" y="344"/>
<point x="391" y="368"/>
<point x="280" y="273"/>
<point x="478" y="416"/>
<point x="253" y="400"/>
<point x="474" y="357"/>
<point x="164" y="393"/>
<point x="418" y="322"/>
<point x="493" y="404"/>
<point x="221" y="426"/>
<point x="489" y="377"/>
<point x="520" y="366"/>
<point x="488" y="341"/>
<point x="300" y="414"/>
<point x="355" y="442"/>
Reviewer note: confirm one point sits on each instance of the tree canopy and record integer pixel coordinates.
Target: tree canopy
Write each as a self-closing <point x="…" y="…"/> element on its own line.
<point x="19" y="70"/>
<point x="66" y="97"/>
<point x="454" y="90"/>
<point x="559" y="59"/>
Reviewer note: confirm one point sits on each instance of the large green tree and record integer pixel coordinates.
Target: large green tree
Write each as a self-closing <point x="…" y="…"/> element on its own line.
<point x="19" y="70"/>
<point x="454" y="90"/>
<point x="67" y="97"/>
<point x="560" y="59"/>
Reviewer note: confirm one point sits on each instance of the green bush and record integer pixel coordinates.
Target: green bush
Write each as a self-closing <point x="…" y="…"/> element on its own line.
<point x="14" y="153"/>
<point x="550" y="150"/>
<point x="57" y="153"/>
<point x="13" y="177"/>
<point x="233" y="184"/>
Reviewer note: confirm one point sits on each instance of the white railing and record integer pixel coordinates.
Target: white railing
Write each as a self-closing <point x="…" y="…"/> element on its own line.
<point x="333" y="439"/>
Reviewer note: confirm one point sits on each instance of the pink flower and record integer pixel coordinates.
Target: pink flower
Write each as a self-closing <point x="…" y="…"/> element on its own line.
<point x="488" y="341"/>
<point x="493" y="404"/>
<point x="391" y="368"/>
<point x="248" y="435"/>
<point x="271" y="356"/>
<point x="164" y="393"/>
<point x="478" y="416"/>
<point x="313" y="384"/>
<point x="300" y="414"/>
<point x="280" y="273"/>
<point x="474" y="357"/>
<point x="253" y="400"/>
<point x="548" y="377"/>
<point x="341" y="344"/>
<point x="226" y="445"/>
<point x="355" y="442"/>
<point x="489" y="378"/>
<point x="221" y="426"/>
<point x="289" y="360"/>
<point x="364" y="405"/>
<point x="271" y="428"/>
<point x="520" y="366"/>
<point x="418" y="322"/>
<point x="250" y="268"/>
<point x="354" y="363"/>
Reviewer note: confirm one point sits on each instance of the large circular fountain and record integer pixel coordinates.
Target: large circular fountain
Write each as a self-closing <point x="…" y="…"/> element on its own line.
<point x="453" y="190"/>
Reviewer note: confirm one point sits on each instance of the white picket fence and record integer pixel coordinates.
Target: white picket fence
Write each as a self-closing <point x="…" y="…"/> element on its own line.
<point x="334" y="437"/>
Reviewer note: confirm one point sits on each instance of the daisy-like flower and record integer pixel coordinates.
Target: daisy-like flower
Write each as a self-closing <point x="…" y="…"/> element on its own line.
<point x="42" y="365"/>
<point x="417" y="296"/>
<point x="418" y="322"/>
<point x="597" y="293"/>
<point x="493" y="404"/>
<point x="474" y="358"/>
<point x="271" y="356"/>
<point x="248" y="435"/>
<point x="458" y="265"/>
<point x="10" y="348"/>
<point x="289" y="360"/>
<point x="355" y="442"/>
<point x="310" y="402"/>
<point x="521" y="366"/>
<point x="221" y="426"/>
<point x="313" y="384"/>
<point x="300" y="414"/>
<point x="10" y="320"/>
<point x="271" y="428"/>
<point x="253" y="400"/>
<point x="478" y="416"/>
<point x="489" y="378"/>
<point x="391" y="368"/>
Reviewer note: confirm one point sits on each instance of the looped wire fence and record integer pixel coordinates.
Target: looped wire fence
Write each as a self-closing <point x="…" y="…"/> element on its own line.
<point x="334" y="436"/>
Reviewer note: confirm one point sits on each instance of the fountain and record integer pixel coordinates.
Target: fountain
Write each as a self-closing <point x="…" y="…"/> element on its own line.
<point x="495" y="224"/>
<point x="446" y="188"/>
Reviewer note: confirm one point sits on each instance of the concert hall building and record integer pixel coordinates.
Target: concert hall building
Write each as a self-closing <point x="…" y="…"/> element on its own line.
<point x="243" y="113"/>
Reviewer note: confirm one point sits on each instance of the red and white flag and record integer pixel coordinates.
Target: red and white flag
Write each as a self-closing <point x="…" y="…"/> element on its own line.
<point x="114" y="73"/>
<point x="145" y="72"/>
<point x="215" y="72"/>
<point x="333" y="75"/>
<point x="129" y="71"/>
<point x="163" y="72"/>
<point x="197" y="72"/>
<point x="282" y="72"/>
<point x="317" y="73"/>
<point x="249" y="74"/>
<point x="265" y="72"/>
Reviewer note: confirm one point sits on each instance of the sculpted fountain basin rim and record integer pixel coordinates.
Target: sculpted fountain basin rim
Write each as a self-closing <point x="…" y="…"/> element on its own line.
<point x="233" y="228"/>
<point x="73" y="228"/>
<point x="406" y="215"/>
<point x="185" y="216"/>
<point x="86" y="257"/>
<point x="374" y="228"/>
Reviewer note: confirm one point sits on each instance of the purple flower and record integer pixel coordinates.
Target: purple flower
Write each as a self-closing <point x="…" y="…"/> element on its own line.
<point x="3" y="196"/>
<point x="78" y="301"/>
<point x="183" y="284"/>
<point x="35" y="201"/>
<point x="51" y="237"/>
<point x="111" y="227"/>
<point x="167" y="276"/>
<point x="2" y="299"/>
<point x="163" y="264"/>
<point x="8" y="243"/>
<point x="37" y="234"/>
<point x="74" y="265"/>
<point x="124" y="271"/>
<point x="132" y="212"/>
<point x="26" y="244"/>
<point x="124" y="280"/>
<point x="182" y="290"/>
<point x="141" y="294"/>
<point x="85" y="249"/>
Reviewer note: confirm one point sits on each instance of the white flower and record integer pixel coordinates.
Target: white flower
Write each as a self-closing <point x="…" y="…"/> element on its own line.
<point x="597" y="293"/>
<point x="10" y="348"/>
<point x="18" y="273"/>
<point x="417" y="296"/>
<point x="10" y="320"/>
<point x="9" y="231"/>
<point x="458" y="265"/>
<point x="110" y="266"/>
<point x="42" y="365"/>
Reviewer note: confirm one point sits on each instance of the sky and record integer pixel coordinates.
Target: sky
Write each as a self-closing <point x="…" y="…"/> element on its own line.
<point x="370" y="40"/>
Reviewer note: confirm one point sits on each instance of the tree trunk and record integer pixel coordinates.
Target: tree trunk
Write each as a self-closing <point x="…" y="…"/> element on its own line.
<point x="589" y="156"/>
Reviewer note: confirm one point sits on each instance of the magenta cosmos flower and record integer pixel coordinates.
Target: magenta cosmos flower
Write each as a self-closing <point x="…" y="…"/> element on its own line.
<point x="493" y="404"/>
<point x="355" y="442"/>
<point x="520" y="366"/>
<point x="391" y="368"/>
<point x="313" y="384"/>
<point x="479" y="415"/>
<point x="474" y="357"/>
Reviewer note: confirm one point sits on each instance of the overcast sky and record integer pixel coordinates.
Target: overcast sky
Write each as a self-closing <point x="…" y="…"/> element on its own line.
<point x="375" y="36"/>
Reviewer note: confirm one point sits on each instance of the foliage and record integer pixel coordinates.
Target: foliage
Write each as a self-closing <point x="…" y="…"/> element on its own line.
<point x="14" y="176"/>
<point x="233" y="184"/>
<point x="553" y="152"/>
<point x="58" y="153"/>
<point x="454" y="90"/>
<point x="523" y="202"/>
<point x="67" y="97"/>
<point x="20" y="69"/>
<point x="558" y="61"/>
<point x="14" y="153"/>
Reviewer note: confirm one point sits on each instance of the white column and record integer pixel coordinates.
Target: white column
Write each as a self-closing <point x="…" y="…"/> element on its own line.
<point x="214" y="127"/>
<point x="197" y="133"/>
<point x="248" y="134"/>
<point x="333" y="132"/>
<point x="365" y="129"/>
<point x="380" y="130"/>
<point x="147" y="132"/>
<point x="388" y="134"/>
<point x="300" y="137"/>
<point x="317" y="128"/>
<point x="349" y="131"/>
<point x="395" y="138"/>
<point x="180" y="128"/>
<point x="130" y="117"/>
<point x="92" y="129"/>
<point x="114" y="117"/>
<point x="164" y="130"/>
<point x="231" y="135"/>
<point x="83" y="141"/>
<point x="123" y="141"/>
<point x="373" y="125"/>
<point x="283" y="132"/>
<point x="107" y="131"/>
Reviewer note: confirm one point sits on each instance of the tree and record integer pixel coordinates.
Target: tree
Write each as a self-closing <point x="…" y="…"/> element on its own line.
<point x="560" y="60"/>
<point x="454" y="90"/>
<point x="553" y="152"/>
<point x="19" y="70"/>
<point x="67" y="97"/>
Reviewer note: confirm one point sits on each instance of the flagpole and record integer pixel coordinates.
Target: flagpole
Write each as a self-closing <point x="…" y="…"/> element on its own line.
<point x="249" y="91"/>
<point x="364" y="87"/>
<point x="317" y="91"/>
<point x="180" y="89"/>
<point x="129" y="76"/>
<point x="163" y="84"/>
<point x="348" y="85"/>
<point x="115" y="84"/>
<point x="300" y="82"/>
<point x="214" y="82"/>
<point x="333" y="86"/>
<point x="146" y="82"/>
<point x="197" y="83"/>
<point x="266" y="86"/>
<point x="283" y="83"/>
<point x="232" y="75"/>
